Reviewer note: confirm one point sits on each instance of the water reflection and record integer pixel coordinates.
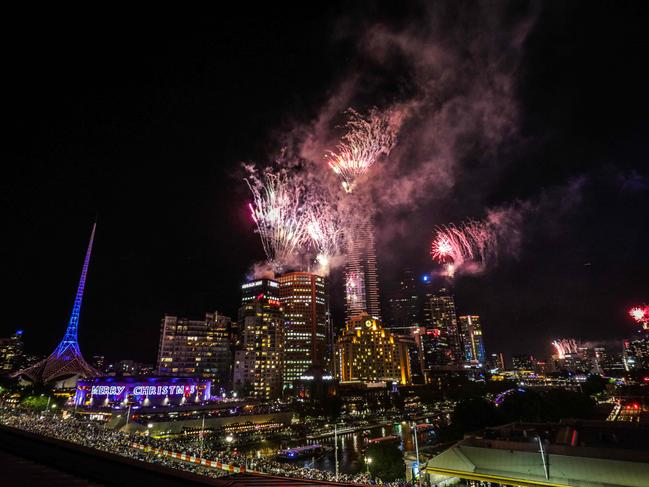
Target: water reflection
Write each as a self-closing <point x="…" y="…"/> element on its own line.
<point x="350" y="447"/>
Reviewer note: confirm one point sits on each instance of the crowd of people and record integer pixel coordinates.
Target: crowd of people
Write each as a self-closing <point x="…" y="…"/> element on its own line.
<point x="259" y="464"/>
<point x="94" y="435"/>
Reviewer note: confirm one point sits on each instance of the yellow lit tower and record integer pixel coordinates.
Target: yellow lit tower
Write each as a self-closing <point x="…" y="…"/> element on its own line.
<point x="368" y="352"/>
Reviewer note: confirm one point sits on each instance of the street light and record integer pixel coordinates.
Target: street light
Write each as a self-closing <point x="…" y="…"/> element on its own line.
<point x="368" y="460"/>
<point x="202" y="435"/>
<point x="414" y="425"/>
<point x="546" y="470"/>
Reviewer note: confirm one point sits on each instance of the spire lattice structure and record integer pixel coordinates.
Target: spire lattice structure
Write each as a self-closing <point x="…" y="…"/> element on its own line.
<point x="66" y="360"/>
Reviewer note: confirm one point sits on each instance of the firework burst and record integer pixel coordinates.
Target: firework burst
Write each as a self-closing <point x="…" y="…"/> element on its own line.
<point x="354" y="289"/>
<point x="640" y="315"/>
<point x="565" y="347"/>
<point x="367" y="138"/>
<point x="325" y="233"/>
<point x="466" y="246"/>
<point x="278" y="212"/>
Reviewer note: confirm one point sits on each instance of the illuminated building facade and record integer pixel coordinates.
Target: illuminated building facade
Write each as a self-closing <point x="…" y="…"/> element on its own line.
<point x="523" y="362"/>
<point x="368" y="352"/>
<point x="361" y="273"/>
<point x="635" y="354"/>
<point x="404" y="304"/>
<point x="471" y="336"/>
<point x="259" y="360"/>
<point x="199" y="348"/>
<point x="441" y="343"/>
<point x="497" y="361"/>
<point x="305" y="301"/>
<point x="608" y="361"/>
<point x="12" y="356"/>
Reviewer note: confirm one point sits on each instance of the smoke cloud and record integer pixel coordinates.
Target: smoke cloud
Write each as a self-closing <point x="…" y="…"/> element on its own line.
<point x="453" y="113"/>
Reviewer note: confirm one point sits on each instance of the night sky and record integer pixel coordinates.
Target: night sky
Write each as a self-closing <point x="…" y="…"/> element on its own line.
<point x="142" y="122"/>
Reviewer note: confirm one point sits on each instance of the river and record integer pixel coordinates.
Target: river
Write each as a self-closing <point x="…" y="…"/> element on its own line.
<point x="350" y="447"/>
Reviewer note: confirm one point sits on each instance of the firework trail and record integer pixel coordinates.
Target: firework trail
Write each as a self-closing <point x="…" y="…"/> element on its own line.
<point x="325" y="233"/>
<point x="354" y="289"/>
<point x="367" y="138"/>
<point x="565" y="347"/>
<point x="278" y="211"/>
<point x="467" y="246"/>
<point x="640" y="315"/>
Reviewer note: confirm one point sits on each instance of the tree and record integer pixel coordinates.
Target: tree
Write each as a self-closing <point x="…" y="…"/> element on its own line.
<point x="595" y="384"/>
<point x="474" y="414"/>
<point x="385" y="462"/>
<point x="523" y="405"/>
<point x="332" y="407"/>
<point x="37" y="403"/>
<point x="564" y="404"/>
<point x="551" y="405"/>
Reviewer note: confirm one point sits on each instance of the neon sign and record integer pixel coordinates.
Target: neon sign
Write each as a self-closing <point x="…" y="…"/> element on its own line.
<point x="166" y="390"/>
<point x="163" y="390"/>
<point x="251" y="284"/>
<point x="107" y="390"/>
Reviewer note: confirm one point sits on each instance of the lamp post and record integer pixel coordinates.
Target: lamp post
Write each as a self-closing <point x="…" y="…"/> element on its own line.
<point x="414" y="423"/>
<point x="368" y="460"/>
<point x="202" y="435"/>
<point x="546" y="470"/>
<point x="336" y="448"/>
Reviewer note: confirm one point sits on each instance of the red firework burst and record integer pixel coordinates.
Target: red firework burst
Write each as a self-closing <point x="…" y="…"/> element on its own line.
<point x="640" y="314"/>
<point x="442" y="249"/>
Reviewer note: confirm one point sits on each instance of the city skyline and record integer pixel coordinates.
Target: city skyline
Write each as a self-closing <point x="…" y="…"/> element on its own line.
<point x="336" y="243"/>
<point x="168" y="213"/>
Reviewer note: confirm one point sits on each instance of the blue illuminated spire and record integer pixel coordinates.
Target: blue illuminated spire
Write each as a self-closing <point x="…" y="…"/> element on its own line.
<point x="69" y="342"/>
<point x="66" y="360"/>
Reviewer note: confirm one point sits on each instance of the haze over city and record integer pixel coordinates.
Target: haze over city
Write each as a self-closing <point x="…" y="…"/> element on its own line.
<point x="457" y="190"/>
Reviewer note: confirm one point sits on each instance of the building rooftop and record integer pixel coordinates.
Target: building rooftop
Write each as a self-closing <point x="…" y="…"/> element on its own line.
<point x="583" y="453"/>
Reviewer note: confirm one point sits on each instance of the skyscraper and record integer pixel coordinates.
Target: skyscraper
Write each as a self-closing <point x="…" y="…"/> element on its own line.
<point x="12" y="354"/>
<point x="471" y="337"/>
<point x="441" y="343"/>
<point x="636" y="351"/>
<point x="368" y="352"/>
<point x="404" y="303"/>
<point x="259" y="360"/>
<point x="196" y="348"/>
<point x="305" y="301"/>
<point x="521" y="361"/>
<point x="361" y="273"/>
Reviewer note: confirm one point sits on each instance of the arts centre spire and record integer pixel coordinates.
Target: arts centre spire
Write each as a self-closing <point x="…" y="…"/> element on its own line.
<point x="66" y="360"/>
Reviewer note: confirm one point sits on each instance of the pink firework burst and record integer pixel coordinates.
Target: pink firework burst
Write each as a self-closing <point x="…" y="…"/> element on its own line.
<point x="366" y="140"/>
<point x="640" y="314"/>
<point x="442" y="249"/>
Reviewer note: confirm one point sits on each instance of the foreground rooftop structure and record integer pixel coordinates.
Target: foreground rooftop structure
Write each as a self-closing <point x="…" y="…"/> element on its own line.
<point x="575" y="453"/>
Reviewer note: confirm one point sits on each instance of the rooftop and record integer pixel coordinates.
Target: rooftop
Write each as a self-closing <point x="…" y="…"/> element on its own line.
<point x="571" y="453"/>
